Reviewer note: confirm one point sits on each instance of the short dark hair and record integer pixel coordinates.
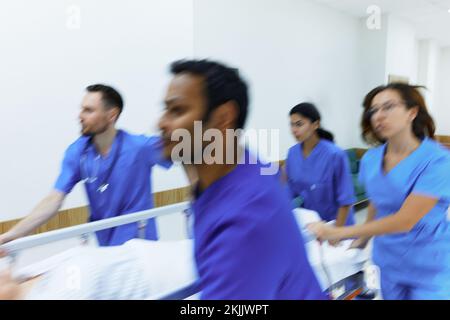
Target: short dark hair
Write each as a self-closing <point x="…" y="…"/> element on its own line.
<point x="110" y="96"/>
<point x="422" y="126"/>
<point x="222" y="84"/>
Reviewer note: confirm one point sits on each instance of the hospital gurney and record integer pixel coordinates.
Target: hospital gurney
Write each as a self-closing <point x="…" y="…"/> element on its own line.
<point x="331" y="265"/>
<point x="84" y="231"/>
<point x="335" y="267"/>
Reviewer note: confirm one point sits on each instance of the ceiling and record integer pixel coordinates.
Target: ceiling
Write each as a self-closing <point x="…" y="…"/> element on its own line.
<point x="430" y="17"/>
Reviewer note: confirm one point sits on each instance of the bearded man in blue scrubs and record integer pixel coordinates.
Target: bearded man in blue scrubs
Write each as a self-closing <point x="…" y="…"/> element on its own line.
<point x="114" y="165"/>
<point x="247" y="242"/>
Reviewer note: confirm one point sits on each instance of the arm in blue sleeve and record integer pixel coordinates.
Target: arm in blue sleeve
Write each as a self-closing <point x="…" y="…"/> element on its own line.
<point x="291" y="187"/>
<point x="361" y="172"/>
<point x="153" y="153"/>
<point x="342" y="179"/>
<point x="70" y="173"/>
<point x="434" y="180"/>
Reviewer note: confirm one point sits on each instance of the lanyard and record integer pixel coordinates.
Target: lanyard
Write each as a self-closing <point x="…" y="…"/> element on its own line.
<point x="105" y="184"/>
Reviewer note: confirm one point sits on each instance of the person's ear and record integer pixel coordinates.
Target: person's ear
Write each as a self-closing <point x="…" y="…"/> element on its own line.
<point x="413" y="112"/>
<point x="113" y="114"/>
<point x="224" y="117"/>
<point x="316" y="124"/>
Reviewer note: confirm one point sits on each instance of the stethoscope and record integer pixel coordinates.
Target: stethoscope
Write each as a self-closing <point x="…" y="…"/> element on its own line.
<point x="83" y="164"/>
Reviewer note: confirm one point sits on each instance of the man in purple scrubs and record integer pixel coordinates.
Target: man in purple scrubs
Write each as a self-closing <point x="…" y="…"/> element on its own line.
<point x="247" y="242"/>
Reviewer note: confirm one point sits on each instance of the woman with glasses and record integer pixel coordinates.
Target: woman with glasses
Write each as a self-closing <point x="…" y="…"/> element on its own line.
<point x="407" y="179"/>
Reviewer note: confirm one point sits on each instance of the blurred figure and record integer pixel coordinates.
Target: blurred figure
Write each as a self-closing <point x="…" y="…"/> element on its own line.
<point x="114" y="165"/>
<point x="318" y="175"/>
<point x="407" y="179"/>
<point x="317" y="170"/>
<point x="247" y="243"/>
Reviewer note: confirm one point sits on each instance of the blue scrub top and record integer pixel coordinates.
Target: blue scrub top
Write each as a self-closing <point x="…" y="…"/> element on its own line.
<point x="323" y="179"/>
<point x="421" y="256"/>
<point x="247" y="242"/>
<point x="129" y="187"/>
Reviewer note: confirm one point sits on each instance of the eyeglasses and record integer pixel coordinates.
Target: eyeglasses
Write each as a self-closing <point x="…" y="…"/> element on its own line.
<point x="385" y="108"/>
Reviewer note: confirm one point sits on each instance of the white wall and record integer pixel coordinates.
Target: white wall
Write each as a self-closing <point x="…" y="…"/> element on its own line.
<point x="429" y="52"/>
<point x="441" y="112"/>
<point x="45" y="67"/>
<point x="291" y="51"/>
<point x="424" y="63"/>
<point x="401" y="49"/>
<point x="373" y="52"/>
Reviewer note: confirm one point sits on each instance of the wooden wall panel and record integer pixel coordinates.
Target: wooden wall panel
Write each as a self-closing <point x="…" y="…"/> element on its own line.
<point x="167" y="197"/>
<point x="445" y="140"/>
<point x="79" y="215"/>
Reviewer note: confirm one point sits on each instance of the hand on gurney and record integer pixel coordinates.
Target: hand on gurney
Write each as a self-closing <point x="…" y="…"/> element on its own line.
<point x="327" y="232"/>
<point x="3" y="239"/>
<point x="312" y="227"/>
<point x="322" y="231"/>
<point x="331" y="264"/>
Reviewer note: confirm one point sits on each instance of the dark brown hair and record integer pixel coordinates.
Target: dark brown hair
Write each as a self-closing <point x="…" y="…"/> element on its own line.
<point x="422" y="126"/>
<point x="110" y="96"/>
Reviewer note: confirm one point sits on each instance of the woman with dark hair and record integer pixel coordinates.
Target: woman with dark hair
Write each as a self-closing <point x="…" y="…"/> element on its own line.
<point x="317" y="170"/>
<point x="407" y="179"/>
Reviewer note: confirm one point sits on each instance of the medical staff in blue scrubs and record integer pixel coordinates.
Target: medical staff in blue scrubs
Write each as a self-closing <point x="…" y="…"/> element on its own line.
<point x="317" y="170"/>
<point x="407" y="178"/>
<point x="247" y="243"/>
<point x="114" y="165"/>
